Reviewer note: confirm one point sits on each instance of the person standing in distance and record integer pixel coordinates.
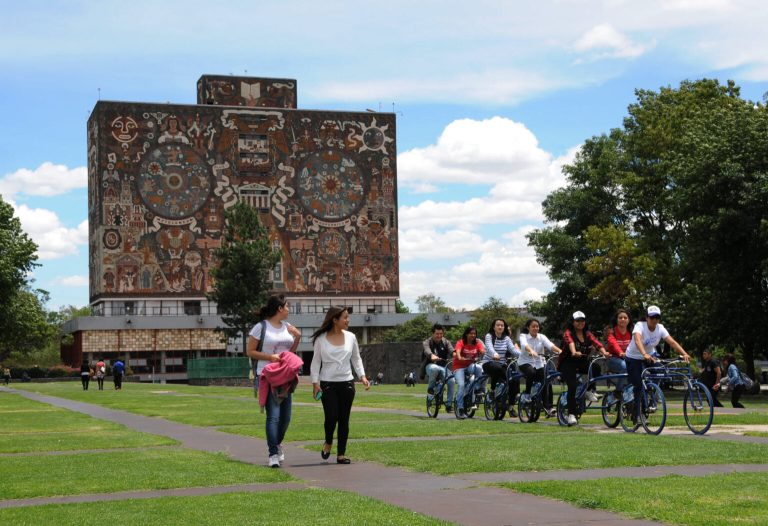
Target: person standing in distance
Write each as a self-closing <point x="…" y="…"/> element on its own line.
<point x="279" y="336"/>
<point x="336" y="352"/>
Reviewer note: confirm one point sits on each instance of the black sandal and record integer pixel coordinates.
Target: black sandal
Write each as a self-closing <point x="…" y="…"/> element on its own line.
<point x="325" y="454"/>
<point x="343" y="460"/>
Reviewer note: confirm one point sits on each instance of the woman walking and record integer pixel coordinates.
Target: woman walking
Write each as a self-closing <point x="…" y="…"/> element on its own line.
<point x="336" y="353"/>
<point x="85" y="374"/>
<point x="268" y="338"/>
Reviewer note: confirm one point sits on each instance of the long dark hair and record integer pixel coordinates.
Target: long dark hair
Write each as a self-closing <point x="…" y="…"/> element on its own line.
<point x="492" y="329"/>
<point x="527" y="327"/>
<point x="334" y="313"/>
<point x="273" y="305"/>
<point x="569" y="327"/>
<point x="730" y="359"/>
<point x="615" y="319"/>
<point x="466" y="333"/>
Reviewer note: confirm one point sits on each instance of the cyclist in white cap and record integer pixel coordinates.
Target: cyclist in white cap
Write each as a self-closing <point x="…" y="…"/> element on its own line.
<point x="641" y="351"/>
<point x="578" y="342"/>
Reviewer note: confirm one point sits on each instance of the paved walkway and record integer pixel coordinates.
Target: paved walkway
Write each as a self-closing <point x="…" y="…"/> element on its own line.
<point x="458" y="499"/>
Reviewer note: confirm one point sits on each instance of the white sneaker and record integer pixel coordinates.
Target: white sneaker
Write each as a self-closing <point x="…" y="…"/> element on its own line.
<point x="571" y="420"/>
<point x="591" y="396"/>
<point x="280" y="454"/>
<point x="274" y="461"/>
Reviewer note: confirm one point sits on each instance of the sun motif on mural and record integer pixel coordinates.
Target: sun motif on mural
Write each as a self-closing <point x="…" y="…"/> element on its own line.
<point x="373" y="137"/>
<point x="330" y="185"/>
<point x="174" y="181"/>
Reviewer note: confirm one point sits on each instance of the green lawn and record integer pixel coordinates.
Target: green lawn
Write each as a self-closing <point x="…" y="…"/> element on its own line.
<point x="308" y="506"/>
<point x="549" y="451"/>
<point x="27" y="426"/>
<point x="50" y="475"/>
<point x="714" y="500"/>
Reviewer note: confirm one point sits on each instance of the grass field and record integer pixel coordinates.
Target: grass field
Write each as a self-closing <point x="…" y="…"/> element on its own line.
<point x="714" y="500"/>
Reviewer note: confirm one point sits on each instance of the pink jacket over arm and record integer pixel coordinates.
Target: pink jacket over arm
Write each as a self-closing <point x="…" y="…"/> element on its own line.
<point x="278" y="374"/>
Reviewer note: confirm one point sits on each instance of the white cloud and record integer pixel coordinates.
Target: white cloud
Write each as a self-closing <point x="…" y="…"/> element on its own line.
<point x="46" y="180"/>
<point x="606" y="42"/>
<point x="697" y="5"/>
<point x="71" y="281"/>
<point x="527" y="294"/>
<point x="54" y="240"/>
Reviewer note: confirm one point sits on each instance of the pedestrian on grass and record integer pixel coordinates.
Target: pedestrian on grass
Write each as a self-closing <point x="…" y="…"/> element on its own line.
<point x="118" y="370"/>
<point x="6" y="375"/>
<point x="734" y="380"/>
<point x="101" y="371"/>
<point x="711" y="374"/>
<point x="268" y="339"/>
<point x="336" y="353"/>
<point x="85" y="374"/>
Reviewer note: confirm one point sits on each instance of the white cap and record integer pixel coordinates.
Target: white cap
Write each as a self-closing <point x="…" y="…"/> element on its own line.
<point x="653" y="310"/>
<point x="578" y="315"/>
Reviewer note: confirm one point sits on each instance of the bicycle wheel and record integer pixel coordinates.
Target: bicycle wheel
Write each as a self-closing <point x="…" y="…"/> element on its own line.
<point x="525" y="408"/>
<point x="610" y="410"/>
<point x="562" y="408"/>
<point x="489" y="406"/>
<point x="626" y="410"/>
<point x="433" y="405"/>
<point x="697" y="408"/>
<point x="654" y="414"/>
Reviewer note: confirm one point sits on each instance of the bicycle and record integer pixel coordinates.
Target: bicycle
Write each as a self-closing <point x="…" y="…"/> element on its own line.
<point x="698" y="409"/>
<point x="434" y="401"/>
<point x="497" y="400"/>
<point x="530" y="406"/>
<point x="608" y="408"/>
<point x="653" y="415"/>
<point x="474" y="395"/>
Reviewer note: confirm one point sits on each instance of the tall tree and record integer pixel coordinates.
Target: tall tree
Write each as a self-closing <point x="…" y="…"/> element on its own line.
<point x="675" y="215"/>
<point x="400" y="307"/>
<point x="241" y="278"/>
<point x="495" y="308"/>
<point x="26" y="329"/>
<point x="17" y="259"/>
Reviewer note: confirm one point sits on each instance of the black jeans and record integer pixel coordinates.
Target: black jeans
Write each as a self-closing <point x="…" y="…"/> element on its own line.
<point x="85" y="379"/>
<point x="635" y="373"/>
<point x="738" y="390"/>
<point x="715" y="401"/>
<point x="337" y="405"/>
<point x="118" y="380"/>
<point x="570" y="370"/>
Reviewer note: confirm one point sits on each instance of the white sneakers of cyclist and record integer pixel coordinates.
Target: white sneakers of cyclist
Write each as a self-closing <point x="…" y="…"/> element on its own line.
<point x="571" y="420"/>
<point x="591" y="396"/>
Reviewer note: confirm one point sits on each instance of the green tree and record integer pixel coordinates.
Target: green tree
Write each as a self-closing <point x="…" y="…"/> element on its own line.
<point x="241" y="278"/>
<point x="415" y="330"/>
<point x="30" y="331"/>
<point x="669" y="209"/>
<point x="400" y="307"/>
<point x="430" y="303"/>
<point x="17" y="259"/>
<point x="492" y="309"/>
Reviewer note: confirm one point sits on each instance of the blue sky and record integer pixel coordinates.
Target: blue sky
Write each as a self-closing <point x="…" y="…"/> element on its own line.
<point x="492" y="98"/>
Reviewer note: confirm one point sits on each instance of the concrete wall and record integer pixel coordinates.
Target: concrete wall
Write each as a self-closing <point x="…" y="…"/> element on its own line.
<point x="395" y="360"/>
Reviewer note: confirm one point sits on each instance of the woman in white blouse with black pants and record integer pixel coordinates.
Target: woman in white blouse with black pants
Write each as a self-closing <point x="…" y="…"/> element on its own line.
<point x="336" y="352"/>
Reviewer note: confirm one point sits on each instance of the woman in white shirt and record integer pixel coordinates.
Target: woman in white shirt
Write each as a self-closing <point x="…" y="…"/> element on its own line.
<point x="532" y="361"/>
<point x="280" y="336"/>
<point x="336" y="352"/>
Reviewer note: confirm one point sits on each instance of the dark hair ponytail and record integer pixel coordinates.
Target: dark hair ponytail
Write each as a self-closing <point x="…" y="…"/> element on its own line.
<point x="273" y="305"/>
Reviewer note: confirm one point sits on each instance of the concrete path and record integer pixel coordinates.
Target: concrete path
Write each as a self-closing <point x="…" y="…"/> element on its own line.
<point x="458" y="498"/>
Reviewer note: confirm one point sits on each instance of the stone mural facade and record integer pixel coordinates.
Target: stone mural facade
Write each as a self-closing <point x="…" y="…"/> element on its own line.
<point x="161" y="177"/>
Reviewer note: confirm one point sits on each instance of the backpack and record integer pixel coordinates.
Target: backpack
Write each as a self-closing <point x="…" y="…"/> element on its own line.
<point x="255" y="363"/>
<point x="749" y="384"/>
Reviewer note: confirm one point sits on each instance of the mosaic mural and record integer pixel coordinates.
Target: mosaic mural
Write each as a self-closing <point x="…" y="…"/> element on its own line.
<point x="252" y="92"/>
<point x="162" y="176"/>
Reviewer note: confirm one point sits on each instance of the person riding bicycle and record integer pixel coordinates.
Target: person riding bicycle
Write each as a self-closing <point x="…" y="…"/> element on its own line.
<point x="468" y="349"/>
<point x="617" y="339"/>
<point x="499" y="350"/>
<point x="646" y="335"/>
<point x="578" y="342"/>
<point x="437" y="351"/>
<point x="532" y="362"/>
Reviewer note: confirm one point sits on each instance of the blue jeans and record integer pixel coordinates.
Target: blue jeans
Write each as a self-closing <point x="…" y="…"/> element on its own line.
<point x="459" y="376"/>
<point x="278" y="418"/>
<point x="434" y="372"/>
<point x="617" y="366"/>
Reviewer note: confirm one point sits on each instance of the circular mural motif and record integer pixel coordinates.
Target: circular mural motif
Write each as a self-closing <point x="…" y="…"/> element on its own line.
<point x="112" y="239"/>
<point x="373" y="138"/>
<point x="331" y="185"/>
<point x="332" y="245"/>
<point x="174" y="182"/>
